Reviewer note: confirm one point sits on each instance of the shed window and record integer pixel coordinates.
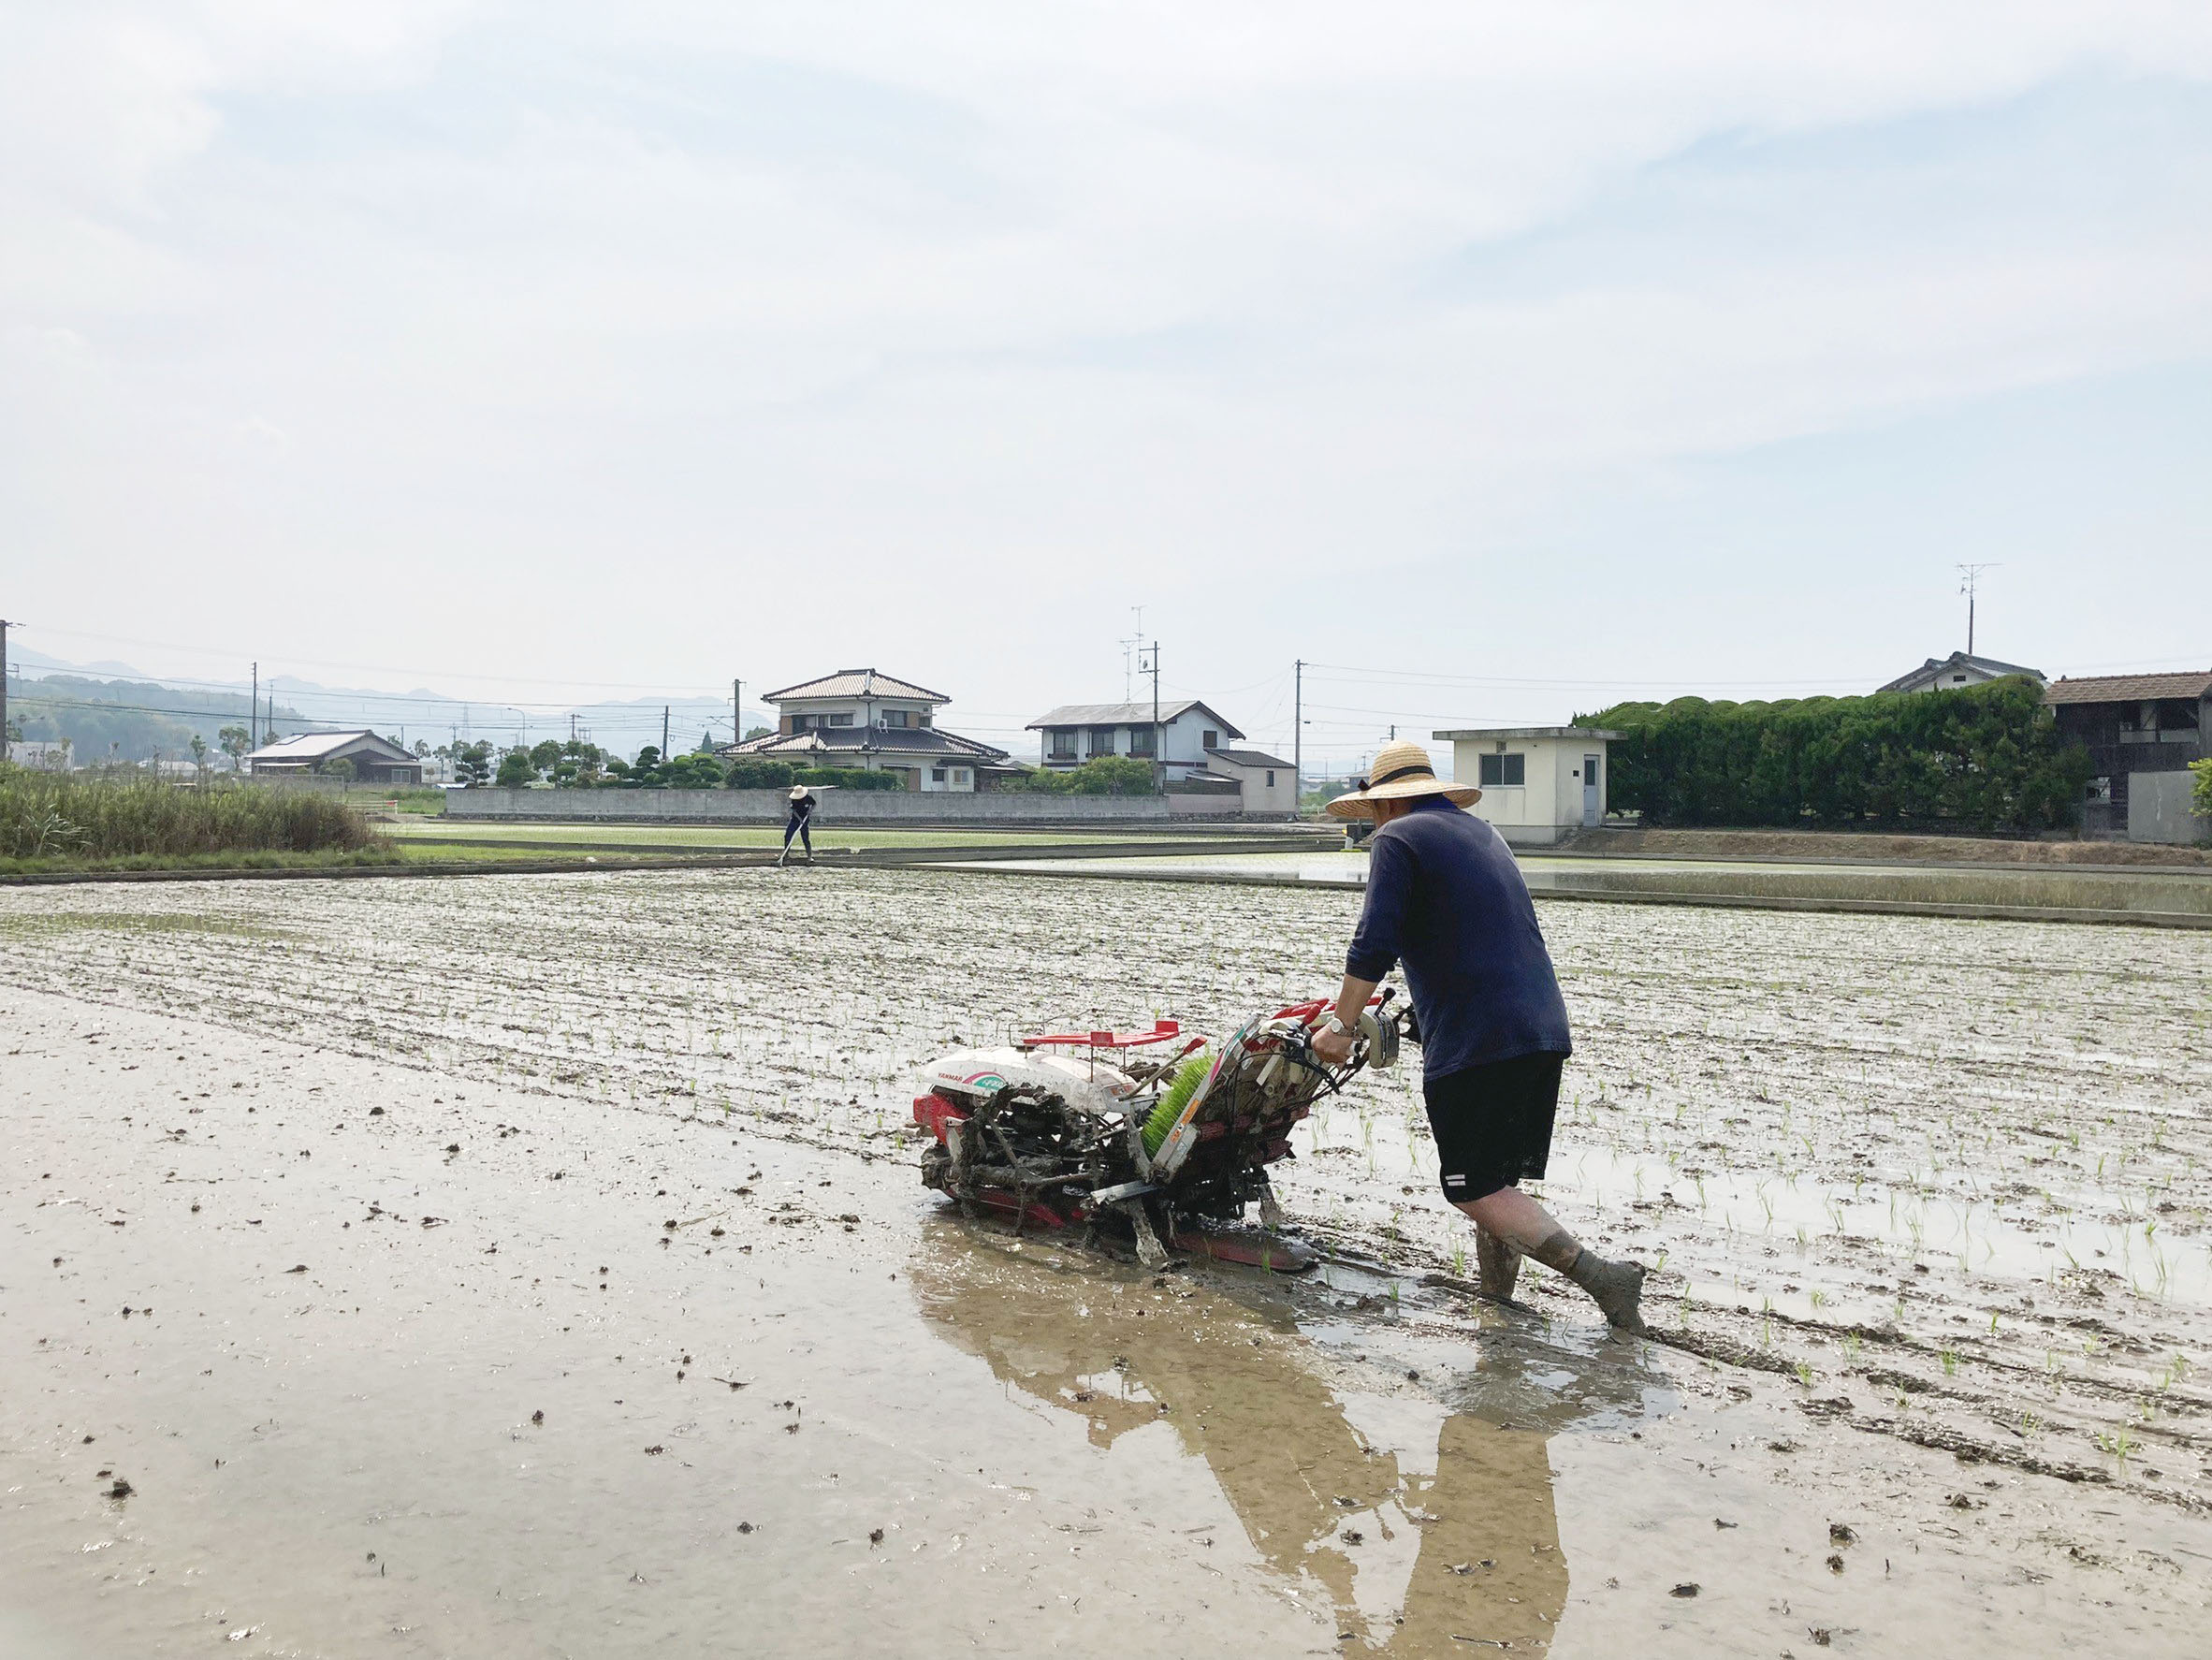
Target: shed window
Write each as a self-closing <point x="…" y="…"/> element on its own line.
<point x="1503" y="772"/>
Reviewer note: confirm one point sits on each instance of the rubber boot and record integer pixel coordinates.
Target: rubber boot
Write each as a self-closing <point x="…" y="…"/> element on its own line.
<point x="1499" y="1263"/>
<point x="1617" y="1287"/>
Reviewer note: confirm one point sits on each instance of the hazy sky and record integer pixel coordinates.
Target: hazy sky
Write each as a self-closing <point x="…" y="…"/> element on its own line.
<point x="1520" y="357"/>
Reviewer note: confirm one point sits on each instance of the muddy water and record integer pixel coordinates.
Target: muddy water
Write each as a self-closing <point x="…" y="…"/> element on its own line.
<point x="1876" y="1159"/>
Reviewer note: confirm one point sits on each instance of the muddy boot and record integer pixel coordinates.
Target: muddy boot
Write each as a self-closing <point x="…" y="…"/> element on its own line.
<point x="1618" y="1287"/>
<point x="1500" y="1265"/>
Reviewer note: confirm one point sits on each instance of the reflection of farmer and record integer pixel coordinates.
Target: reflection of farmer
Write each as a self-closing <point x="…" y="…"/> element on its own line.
<point x="1444" y="898"/>
<point x="1318" y="1500"/>
<point x="802" y="809"/>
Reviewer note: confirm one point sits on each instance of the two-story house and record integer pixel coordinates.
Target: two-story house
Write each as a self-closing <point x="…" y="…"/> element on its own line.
<point x="1193" y="744"/>
<point x="1079" y="732"/>
<point x="871" y="722"/>
<point x="2142" y="732"/>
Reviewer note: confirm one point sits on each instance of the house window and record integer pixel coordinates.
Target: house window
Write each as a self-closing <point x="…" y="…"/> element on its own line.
<point x="937" y="775"/>
<point x="1271" y="780"/>
<point x="805" y="723"/>
<point x="844" y="720"/>
<point x="960" y="774"/>
<point x="1210" y="740"/>
<point x="1141" y="740"/>
<point x="1503" y="772"/>
<point x="1102" y="740"/>
<point x="1063" y="743"/>
<point x="896" y="718"/>
<point x="2101" y="791"/>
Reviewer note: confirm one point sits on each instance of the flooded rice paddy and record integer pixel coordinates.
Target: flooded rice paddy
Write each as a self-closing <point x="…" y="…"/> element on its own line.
<point x="1937" y="1187"/>
<point x="2176" y="896"/>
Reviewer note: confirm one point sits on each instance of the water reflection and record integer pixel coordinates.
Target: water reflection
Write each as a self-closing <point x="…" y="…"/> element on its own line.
<point x="1422" y="1525"/>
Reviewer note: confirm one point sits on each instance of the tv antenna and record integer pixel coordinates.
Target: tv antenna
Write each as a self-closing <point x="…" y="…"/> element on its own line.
<point x="1129" y="649"/>
<point x="1969" y="579"/>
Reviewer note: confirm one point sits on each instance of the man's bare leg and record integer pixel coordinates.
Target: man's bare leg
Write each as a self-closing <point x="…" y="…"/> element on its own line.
<point x="1528" y="1229"/>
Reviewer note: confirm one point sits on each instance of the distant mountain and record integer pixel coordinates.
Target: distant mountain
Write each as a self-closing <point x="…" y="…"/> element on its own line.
<point x="137" y="716"/>
<point x="126" y="720"/>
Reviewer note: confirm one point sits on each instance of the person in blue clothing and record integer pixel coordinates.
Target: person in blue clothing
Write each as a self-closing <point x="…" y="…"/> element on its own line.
<point x="799" y="824"/>
<point x="1445" y="899"/>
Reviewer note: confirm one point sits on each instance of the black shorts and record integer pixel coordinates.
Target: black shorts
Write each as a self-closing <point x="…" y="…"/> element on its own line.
<point x="1493" y="1124"/>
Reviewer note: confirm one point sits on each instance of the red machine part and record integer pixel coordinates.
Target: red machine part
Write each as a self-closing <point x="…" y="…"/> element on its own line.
<point x="932" y="1112"/>
<point x="1160" y="1033"/>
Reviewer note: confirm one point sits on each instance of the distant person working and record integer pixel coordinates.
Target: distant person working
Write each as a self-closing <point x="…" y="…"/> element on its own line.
<point x="1445" y="898"/>
<point x="802" y="811"/>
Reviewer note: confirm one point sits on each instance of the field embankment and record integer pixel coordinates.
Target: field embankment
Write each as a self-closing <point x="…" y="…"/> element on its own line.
<point x="1831" y="846"/>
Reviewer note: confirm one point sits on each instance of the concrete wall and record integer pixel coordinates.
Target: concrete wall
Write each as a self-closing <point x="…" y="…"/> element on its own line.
<point x="836" y="807"/>
<point x="2158" y="809"/>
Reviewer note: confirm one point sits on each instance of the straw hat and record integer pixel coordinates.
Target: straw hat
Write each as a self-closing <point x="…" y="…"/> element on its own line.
<point x="798" y="793"/>
<point x="1401" y="770"/>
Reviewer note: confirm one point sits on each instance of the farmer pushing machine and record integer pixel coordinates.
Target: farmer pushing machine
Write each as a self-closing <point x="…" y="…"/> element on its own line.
<point x="1145" y="1137"/>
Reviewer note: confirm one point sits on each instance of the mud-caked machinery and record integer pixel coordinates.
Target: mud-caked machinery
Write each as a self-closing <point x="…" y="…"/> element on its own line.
<point x="1148" y="1137"/>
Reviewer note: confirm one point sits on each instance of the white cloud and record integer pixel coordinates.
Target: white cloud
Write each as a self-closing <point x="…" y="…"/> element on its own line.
<point x="1052" y="307"/>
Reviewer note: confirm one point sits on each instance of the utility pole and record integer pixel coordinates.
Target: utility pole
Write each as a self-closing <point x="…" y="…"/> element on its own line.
<point x="254" y="713"/>
<point x="1970" y="578"/>
<point x="736" y="711"/>
<point x="1159" y="770"/>
<point x="1297" y="737"/>
<point x="3" y="689"/>
<point x="663" y="731"/>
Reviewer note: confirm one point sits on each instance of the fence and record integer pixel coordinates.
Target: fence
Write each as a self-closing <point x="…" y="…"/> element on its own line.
<point x="833" y="806"/>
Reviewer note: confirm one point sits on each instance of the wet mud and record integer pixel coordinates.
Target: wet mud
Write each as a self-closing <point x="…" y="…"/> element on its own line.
<point x="1874" y="1162"/>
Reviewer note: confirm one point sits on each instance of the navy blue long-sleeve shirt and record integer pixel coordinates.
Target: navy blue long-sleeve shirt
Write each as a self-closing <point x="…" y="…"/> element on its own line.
<point x="1444" y="898"/>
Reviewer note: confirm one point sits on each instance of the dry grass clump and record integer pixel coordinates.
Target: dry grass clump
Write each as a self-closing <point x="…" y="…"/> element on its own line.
<point x="49" y="820"/>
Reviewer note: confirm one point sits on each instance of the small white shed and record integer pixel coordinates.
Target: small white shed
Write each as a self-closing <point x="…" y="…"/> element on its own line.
<point x="1539" y="784"/>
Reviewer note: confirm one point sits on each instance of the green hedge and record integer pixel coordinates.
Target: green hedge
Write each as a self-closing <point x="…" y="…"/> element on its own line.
<point x="1105" y="775"/>
<point x="1986" y="757"/>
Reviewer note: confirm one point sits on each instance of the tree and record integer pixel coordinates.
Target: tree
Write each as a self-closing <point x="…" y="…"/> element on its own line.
<point x="471" y="763"/>
<point x="753" y="732"/>
<point x="341" y="769"/>
<point x="544" y="756"/>
<point x="235" y="741"/>
<point x="1103" y="775"/>
<point x="2202" y="804"/>
<point x="200" y="753"/>
<point x="517" y="770"/>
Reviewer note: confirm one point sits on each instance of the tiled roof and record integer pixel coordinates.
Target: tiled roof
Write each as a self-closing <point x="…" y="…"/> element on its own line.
<point x="1247" y="757"/>
<point x="1124" y="714"/>
<point x="826" y="743"/>
<point x="2128" y="687"/>
<point x="318" y="746"/>
<point x="1935" y="666"/>
<point x="858" y="683"/>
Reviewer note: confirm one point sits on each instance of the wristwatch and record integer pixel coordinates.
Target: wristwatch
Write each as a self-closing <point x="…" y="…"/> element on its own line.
<point x="1335" y="1025"/>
